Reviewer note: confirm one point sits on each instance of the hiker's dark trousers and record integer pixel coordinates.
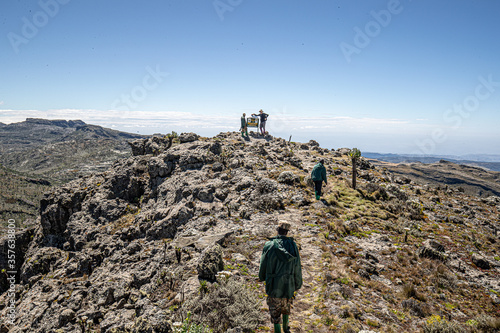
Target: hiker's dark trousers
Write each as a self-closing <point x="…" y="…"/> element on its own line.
<point x="317" y="186"/>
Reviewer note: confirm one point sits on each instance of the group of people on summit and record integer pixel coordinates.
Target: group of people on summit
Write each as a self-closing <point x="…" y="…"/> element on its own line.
<point x="262" y="123"/>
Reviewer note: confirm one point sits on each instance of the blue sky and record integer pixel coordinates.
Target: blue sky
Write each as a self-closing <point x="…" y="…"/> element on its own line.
<point x="403" y="76"/>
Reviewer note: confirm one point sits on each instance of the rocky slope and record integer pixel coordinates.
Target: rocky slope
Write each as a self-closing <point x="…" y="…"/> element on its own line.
<point x="60" y="150"/>
<point x="19" y="198"/>
<point x="37" y="153"/>
<point x="131" y="249"/>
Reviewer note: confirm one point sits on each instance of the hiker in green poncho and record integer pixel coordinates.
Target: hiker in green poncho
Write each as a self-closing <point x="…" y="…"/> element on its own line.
<point x="280" y="268"/>
<point x="318" y="176"/>
<point x="244" y="128"/>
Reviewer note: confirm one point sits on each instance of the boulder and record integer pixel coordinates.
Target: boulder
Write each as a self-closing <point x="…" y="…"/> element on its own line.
<point x="188" y="137"/>
<point x="288" y="177"/>
<point x="313" y="143"/>
<point x="432" y="250"/>
<point x="480" y="261"/>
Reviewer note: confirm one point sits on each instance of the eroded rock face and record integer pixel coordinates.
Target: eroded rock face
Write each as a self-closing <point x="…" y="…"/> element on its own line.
<point x="432" y="250"/>
<point x="188" y="137"/>
<point x="18" y="245"/>
<point x="118" y="250"/>
<point x="480" y="261"/>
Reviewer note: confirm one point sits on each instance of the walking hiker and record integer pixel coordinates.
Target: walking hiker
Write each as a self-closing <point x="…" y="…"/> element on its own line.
<point x="244" y="128"/>
<point x="318" y="176"/>
<point x="263" y="118"/>
<point x="280" y="268"/>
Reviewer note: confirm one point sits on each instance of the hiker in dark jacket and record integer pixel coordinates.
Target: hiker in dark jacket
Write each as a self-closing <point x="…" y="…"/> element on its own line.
<point x="318" y="176"/>
<point x="262" y="123"/>
<point x="280" y="268"/>
<point x="244" y="127"/>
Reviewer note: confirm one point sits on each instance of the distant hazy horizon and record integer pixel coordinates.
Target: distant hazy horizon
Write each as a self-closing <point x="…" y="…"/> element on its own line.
<point x="397" y="76"/>
<point x="210" y="129"/>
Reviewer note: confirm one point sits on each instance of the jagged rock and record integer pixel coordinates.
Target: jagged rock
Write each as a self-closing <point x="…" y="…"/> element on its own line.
<point x="210" y="263"/>
<point x="343" y="151"/>
<point x="158" y="167"/>
<point x="364" y="164"/>
<point x="19" y="244"/>
<point x="266" y="196"/>
<point x="480" y="261"/>
<point x="435" y="199"/>
<point x="216" y="148"/>
<point x="294" y="161"/>
<point x="65" y="317"/>
<point x="217" y="167"/>
<point x="288" y="177"/>
<point x="366" y="266"/>
<point x="313" y="143"/>
<point x="154" y="145"/>
<point x="41" y="262"/>
<point x="432" y="250"/>
<point x="188" y="137"/>
<point x="235" y="163"/>
<point x="120" y="250"/>
<point x="402" y="180"/>
<point x="300" y="200"/>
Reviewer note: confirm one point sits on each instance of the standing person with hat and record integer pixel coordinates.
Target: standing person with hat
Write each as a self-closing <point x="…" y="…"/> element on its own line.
<point x="281" y="269"/>
<point x="262" y="123"/>
<point x="318" y="176"/>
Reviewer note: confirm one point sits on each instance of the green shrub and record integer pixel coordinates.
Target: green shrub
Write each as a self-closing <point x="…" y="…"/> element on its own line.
<point x="435" y="324"/>
<point x="488" y="324"/>
<point x="189" y="327"/>
<point x="226" y="305"/>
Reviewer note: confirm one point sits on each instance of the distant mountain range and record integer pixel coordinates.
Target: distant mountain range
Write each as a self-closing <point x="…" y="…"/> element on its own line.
<point x="60" y="150"/>
<point x="487" y="161"/>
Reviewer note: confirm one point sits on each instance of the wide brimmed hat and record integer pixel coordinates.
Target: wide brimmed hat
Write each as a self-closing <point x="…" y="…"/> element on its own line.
<point x="285" y="225"/>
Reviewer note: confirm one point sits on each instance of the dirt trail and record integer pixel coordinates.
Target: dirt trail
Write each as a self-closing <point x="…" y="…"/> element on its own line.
<point x="307" y="239"/>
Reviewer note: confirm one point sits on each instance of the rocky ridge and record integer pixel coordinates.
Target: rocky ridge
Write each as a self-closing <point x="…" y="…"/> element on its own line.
<point x="128" y="249"/>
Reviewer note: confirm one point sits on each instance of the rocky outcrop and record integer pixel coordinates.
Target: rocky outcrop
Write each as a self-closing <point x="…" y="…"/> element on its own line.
<point x="13" y="248"/>
<point x="432" y="249"/>
<point x="124" y="249"/>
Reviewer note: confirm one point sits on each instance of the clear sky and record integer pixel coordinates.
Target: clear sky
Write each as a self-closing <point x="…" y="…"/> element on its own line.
<point x="403" y="76"/>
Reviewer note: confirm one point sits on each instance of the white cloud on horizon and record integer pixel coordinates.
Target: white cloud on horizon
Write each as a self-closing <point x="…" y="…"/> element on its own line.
<point x="375" y="134"/>
<point x="171" y="119"/>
